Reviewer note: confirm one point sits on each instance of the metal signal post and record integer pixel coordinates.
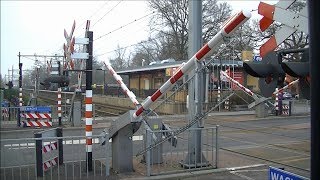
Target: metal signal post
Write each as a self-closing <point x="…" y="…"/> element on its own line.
<point x="88" y="101"/>
<point x="20" y="91"/>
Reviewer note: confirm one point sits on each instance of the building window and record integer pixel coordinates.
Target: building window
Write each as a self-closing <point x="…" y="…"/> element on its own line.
<point x="158" y="82"/>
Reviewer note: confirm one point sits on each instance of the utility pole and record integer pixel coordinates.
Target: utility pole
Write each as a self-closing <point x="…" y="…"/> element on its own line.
<point x="194" y="156"/>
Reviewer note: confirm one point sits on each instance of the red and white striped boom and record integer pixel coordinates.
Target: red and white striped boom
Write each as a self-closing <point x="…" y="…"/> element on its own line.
<point x="285" y="87"/>
<point x="227" y="30"/>
<point x="246" y="90"/>
<point x="125" y="89"/>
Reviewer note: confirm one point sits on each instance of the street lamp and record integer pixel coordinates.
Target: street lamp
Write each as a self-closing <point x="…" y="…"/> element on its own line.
<point x="104" y="80"/>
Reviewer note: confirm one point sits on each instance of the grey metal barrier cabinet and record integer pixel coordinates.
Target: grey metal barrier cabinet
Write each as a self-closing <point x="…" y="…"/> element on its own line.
<point x="173" y="157"/>
<point x="18" y="158"/>
<point x="76" y="118"/>
<point x="155" y="125"/>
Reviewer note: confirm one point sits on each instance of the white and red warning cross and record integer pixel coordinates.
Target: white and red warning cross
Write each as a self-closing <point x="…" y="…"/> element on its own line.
<point x="291" y="22"/>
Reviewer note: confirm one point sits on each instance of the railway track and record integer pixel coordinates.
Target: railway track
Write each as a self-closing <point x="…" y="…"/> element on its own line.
<point x="276" y="143"/>
<point x="50" y="98"/>
<point x="280" y="141"/>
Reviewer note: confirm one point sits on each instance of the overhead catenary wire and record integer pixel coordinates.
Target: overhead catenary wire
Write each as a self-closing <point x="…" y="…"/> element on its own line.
<point x="124" y="36"/>
<point x="106" y="13"/>
<point x="128" y="46"/>
<point x="85" y="21"/>
<point x="124" y="25"/>
<point x="77" y="27"/>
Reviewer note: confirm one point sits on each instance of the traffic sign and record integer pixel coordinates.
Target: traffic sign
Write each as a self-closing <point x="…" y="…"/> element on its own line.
<point x="36" y="108"/>
<point x="279" y="174"/>
<point x="80" y="56"/>
<point x="257" y="58"/>
<point x="82" y="41"/>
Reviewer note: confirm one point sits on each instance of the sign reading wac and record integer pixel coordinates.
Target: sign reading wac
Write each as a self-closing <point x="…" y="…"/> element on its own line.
<point x="278" y="174"/>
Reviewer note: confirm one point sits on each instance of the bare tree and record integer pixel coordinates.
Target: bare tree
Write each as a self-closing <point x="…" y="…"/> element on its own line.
<point x="137" y="59"/>
<point x="169" y="27"/>
<point x="119" y="62"/>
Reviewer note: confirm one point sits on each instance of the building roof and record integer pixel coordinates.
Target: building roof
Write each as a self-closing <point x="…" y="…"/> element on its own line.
<point x="174" y="64"/>
<point x="149" y="67"/>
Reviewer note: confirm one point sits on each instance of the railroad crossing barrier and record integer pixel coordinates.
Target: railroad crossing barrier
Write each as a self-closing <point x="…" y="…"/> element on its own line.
<point x="172" y="157"/>
<point x="5" y="110"/>
<point x="42" y="149"/>
<point x="37" y="113"/>
<point x="18" y="158"/>
<point x="121" y="132"/>
<point x="11" y="113"/>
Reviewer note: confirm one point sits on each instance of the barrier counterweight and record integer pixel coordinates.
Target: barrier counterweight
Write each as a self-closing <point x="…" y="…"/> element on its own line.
<point x="230" y="26"/>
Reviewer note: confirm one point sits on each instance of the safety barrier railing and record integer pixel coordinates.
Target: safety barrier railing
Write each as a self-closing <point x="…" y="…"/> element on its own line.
<point x="9" y="113"/>
<point x="18" y="158"/>
<point x="167" y="159"/>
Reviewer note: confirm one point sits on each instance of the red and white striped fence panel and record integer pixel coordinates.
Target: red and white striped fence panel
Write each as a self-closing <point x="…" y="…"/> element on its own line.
<point x="227" y="30"/>
<point x="285" y="112"/>
<point x="5" y="112"/>
<point x="49" y="147"/>
<point x="36" y="115"/>
<point x="50" y="163"/>
<point x="39" y="124"/>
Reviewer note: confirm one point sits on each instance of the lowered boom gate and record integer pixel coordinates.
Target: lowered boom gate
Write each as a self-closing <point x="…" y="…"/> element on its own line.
<point x="126" y="125"/>
<point x="122" y="166"/>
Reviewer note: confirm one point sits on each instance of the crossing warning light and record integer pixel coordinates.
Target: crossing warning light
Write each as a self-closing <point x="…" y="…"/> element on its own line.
<point x="268" y="71"/>
<point x="10" y="85"/>
<point x="271" y="71"/>
<point x="299" y="70"/>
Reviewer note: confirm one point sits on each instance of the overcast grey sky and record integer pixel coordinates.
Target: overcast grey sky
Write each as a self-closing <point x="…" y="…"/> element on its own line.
<point x="37" y="26"/>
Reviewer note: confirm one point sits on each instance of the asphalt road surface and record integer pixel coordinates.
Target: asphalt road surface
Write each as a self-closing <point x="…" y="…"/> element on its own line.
<point x="278" y="141"/>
